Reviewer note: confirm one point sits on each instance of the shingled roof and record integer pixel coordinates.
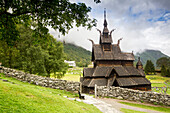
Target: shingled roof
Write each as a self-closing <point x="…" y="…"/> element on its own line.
<point x="99" y="71"/>
<point x="88" y="72"/>
<point x="102" y="71"/>
<point x="114" y="54"/>
<point x="127" y="71"/>
<point x="98" y="81"/>
<point x="132" y="81"/>
<point x="105" y="71"/>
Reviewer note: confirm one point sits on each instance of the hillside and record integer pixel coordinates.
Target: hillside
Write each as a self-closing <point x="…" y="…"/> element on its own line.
<point x="78" y="54"/>
<point x="152" y="55"/>
<point x="19" y="97"/>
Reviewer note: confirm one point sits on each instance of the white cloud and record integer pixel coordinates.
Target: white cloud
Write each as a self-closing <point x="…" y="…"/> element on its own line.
<point x="130" y="18"/>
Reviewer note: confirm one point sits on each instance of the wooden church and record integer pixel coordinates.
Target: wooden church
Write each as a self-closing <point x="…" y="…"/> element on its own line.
<point x="112" y="67"/>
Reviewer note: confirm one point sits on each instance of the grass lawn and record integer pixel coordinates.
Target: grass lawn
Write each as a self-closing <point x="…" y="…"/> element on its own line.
<point x="130" y="111"/>
<point x="159" y="81"/>
<point x="73" y="74"/>
<point x="19" y="97"/>
<point x="156" y="108"/>
<point x="158" y="78"/>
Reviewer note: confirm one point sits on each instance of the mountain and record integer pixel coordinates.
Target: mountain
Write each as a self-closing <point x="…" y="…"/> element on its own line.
<point x="78" y="54"/>
<point x="152" y="55"/>
<point x="83" y="56"/>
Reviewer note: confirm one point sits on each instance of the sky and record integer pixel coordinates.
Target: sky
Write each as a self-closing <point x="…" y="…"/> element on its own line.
<point x="143" y="24"/>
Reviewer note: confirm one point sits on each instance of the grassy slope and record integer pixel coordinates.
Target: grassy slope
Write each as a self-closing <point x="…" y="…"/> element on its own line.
<point x="156" y="108"/>
<point x="23" y="98"/>
<point x="77" y="53"/>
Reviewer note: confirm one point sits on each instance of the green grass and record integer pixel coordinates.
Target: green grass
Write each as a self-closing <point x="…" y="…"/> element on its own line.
<point x="130" y="111"/>
<point x="19" y="97"/>
<point x="159" y="81"/>
<point x="73" y="74"/>
<point x="71" y="77"/>
<point x="156" y="108"/>
<point x="158" y="78"/>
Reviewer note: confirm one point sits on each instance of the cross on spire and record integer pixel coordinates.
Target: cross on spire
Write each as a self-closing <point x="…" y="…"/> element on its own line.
<point x="105" y="13"/>
<point x="105" y="22"/>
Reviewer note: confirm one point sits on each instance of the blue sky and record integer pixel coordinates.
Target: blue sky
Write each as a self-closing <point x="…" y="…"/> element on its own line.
<point x="143" y="24"/>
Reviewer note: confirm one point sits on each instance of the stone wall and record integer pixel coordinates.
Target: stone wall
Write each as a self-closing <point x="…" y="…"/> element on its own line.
<point x="41" y="81"/>
<point x="135" y="95"/>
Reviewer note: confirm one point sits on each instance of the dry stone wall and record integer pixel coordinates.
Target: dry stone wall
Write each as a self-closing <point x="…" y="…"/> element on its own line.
<point x="41" y="81"/>
<point x="135" y="95"/>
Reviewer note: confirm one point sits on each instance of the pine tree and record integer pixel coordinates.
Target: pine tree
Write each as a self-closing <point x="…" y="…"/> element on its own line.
<point x="149" y="68"/>
<point x="163" y="70"/>
<point x="167" y="73"/>
<point x="152" y="67"/>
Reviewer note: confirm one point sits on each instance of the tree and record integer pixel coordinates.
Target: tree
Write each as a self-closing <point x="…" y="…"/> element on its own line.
<point x="34" y="54"/>
<point x="59" y="14"/>
<point x="163" y="70"/>
<point x="149" y="68"/>
<point x="167" y="73"/>
<point x="163" y="61"/>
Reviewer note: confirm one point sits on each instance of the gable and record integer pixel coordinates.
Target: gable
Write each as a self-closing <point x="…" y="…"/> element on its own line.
<point x="114" y="54"/>
<point x="101" y="71"/>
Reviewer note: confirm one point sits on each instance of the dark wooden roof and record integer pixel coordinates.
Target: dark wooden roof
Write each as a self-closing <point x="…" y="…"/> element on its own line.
<point x="114" y="54"/>
<point x="127" y="71"/>
<point x="86" y="81"/>
<point x="102" y="71"/>
<point x="105" y="71"/>
<point x="88" y="72"/>
<point x="98" y="81"/>
<point x="132" y="81"/>
<point x="99" y="71"/>
<point x="141" y="71"/>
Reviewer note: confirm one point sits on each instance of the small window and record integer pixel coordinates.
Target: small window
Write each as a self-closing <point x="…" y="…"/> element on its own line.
<point x="107" y="47"/>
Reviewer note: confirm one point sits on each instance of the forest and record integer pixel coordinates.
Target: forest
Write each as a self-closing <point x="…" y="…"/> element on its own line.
<point x="25" y="42"/>
<point x="34" y="53"/>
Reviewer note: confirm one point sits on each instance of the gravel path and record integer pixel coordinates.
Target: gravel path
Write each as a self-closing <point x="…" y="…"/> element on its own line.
<point x="101" y="105"/>
<point x="107" y="105"/>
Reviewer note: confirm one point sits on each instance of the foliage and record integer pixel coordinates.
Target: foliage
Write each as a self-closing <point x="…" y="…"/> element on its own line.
<point x="152" y="55"/>
<point x="59" y="14"/>
<point x="163" y="61"/>
<point x="34" y="53"/>
<point x="149" y="68"/>
<point x="163" y="70"/>
<point x="156" y="108"/>
<point x="27" y="98"/>
<point x="78" y="54"/>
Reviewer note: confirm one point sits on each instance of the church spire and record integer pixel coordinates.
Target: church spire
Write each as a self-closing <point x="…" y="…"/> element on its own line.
<point x="139" y="64"/>
<point x="105" y="30"/>
<point x="105" y="22"/>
